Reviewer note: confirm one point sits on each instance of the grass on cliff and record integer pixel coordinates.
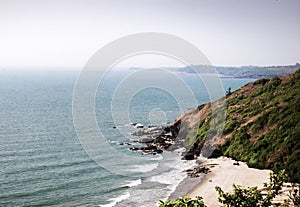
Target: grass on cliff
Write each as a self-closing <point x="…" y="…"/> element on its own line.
<point x="262" y="126"/>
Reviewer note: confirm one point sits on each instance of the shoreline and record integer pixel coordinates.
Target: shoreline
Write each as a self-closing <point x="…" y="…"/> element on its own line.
<point x="223" y="173"/>
<point x="184" y="187"/>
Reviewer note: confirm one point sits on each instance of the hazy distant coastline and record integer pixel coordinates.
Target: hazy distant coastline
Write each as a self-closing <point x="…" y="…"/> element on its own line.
<point x="241" y="72"/>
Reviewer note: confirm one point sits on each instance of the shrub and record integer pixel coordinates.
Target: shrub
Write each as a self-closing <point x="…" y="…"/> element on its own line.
<point x="230" y="125"/>
<point x="183" y="202"/>
<point x="262" y="81"/>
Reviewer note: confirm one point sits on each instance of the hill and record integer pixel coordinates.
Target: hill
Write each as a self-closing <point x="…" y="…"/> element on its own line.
<point x="262" y="126"/>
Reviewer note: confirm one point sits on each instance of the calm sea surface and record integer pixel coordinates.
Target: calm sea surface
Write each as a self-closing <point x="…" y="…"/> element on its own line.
<point x="42" y="162"/>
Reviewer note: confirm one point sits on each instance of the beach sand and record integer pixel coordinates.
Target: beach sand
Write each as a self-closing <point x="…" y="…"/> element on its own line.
<point x="224" y="173"/>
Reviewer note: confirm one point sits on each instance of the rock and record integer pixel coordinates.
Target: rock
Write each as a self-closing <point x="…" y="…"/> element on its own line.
<point x="151" y="126"/>
<point x="156" y="138"/>
<point x="194" y="152"/>
<point x="188" y="156"/>
<point x="159" y="139"/>
<point x="139" y="126"/>
<point x="124" y="143"/>
<point x="146" y="140"/>
<point x="236" y="163"/>
<point x="149" y="149"/>
<point x="159" y="151"/>
<point x="196" y="171"/>
<point x="215" y="154"/>
<point x="152" y="131"/>
<point x="134" y="148"/>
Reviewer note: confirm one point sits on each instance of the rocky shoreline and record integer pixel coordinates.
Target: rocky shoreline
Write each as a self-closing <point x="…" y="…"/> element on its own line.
<point x="155" y="139"/>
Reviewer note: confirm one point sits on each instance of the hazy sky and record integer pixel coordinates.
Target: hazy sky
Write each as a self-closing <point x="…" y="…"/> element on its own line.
<point x="229" y="32"/>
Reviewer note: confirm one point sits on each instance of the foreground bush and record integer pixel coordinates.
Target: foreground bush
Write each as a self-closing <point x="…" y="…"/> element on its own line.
<point x="183" y="202"/>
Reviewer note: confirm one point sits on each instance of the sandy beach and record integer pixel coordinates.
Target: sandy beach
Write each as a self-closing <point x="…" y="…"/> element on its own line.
<point x="224" y="173"/>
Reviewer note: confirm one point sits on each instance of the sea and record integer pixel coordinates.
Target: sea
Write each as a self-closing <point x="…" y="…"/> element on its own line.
<point x="43" y="161"/>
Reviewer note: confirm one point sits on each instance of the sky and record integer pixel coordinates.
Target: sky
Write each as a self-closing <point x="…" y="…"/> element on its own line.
<point x="66" y="33"/>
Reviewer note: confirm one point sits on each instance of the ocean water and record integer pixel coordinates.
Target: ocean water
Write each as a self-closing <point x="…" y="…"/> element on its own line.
<point x="42" y="162"/>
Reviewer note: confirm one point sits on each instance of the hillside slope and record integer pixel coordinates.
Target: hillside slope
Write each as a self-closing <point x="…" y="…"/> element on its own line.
<point x="262" y="126"/>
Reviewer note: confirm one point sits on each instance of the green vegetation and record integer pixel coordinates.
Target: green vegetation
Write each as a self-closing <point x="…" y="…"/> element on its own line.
<point x="269" y="137"/>
<point x="262" y="125"/>
<point x="183" y="202"/>
<point x="294" y="197"/>
<point x="262" y="128"/>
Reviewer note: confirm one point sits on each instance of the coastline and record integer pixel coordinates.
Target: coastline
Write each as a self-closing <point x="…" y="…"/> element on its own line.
<point x="223" y="173"/>
<point x="185" y="186"/>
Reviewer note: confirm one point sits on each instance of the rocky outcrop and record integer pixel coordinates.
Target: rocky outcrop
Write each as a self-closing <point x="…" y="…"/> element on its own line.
<point x="156" y="139"/>
<point x="196" y="171"/>
<point x="182" y="133"/>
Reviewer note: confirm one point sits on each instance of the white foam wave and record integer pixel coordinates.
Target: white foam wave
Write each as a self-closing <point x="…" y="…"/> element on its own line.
<point x="113" y="141"/>
<point x="133" y="183"/>
<point x="143" y="168"/>
<point x="170" y="178"/>
<point x="115" y="201"/>
<point x="174" y="176"/>
<point x="157" y="157"/>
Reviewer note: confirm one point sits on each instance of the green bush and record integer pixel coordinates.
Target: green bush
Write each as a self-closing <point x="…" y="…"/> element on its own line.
<point x="183" y="202"/>
<point x="230" y="125"/>
<point x="262" y="81"/>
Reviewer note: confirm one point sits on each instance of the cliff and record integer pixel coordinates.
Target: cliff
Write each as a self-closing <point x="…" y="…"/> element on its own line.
<point x="261" y="126"/>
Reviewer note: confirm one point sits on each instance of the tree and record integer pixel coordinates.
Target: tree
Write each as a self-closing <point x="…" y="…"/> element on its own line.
<point x="228" y="91"/>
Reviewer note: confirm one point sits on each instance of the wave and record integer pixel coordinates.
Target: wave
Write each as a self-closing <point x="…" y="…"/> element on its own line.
<point x="115" y="201"/>
<point x="143" y="168"/>
<point x="157" y="157"/>
<point x="130" y="184"/>
<point x="174" y="175"/>
<point x="113" y="141"/>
